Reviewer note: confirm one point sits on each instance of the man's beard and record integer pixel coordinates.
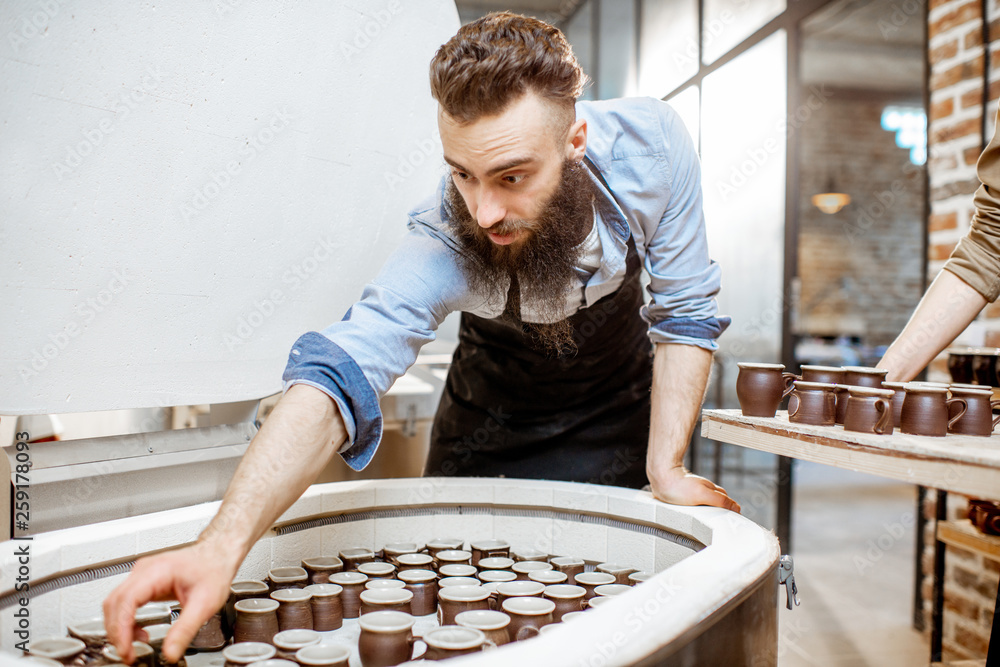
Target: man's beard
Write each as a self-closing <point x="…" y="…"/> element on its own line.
<point x="542" y="262"/>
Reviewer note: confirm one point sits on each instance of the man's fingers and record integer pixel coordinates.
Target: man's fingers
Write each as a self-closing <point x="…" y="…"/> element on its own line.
<point x="196" y="610"/>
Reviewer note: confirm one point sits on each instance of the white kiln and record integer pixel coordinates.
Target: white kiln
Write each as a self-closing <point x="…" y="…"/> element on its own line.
<point x="187" y="188"/>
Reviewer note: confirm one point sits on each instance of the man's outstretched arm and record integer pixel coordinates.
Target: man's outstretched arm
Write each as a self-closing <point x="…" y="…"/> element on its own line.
<point x="680" y="375"/>
<point x="302" y="433"/>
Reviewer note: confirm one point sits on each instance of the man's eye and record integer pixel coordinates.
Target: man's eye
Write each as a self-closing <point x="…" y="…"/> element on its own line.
<point x="514" y="179"/>
<point x="460" y="175"/>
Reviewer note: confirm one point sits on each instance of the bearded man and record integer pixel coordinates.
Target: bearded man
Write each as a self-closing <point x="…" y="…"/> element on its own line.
<point x="538" y="236"/>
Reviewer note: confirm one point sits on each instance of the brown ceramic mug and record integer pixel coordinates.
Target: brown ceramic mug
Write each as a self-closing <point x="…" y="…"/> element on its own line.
<point x="760" y="388"/>
<point x="61" y="649"/>
<point x="323" y="655"/>
<point x="567" y="598"/>
<point x="869" y="411"/>
<point x="414" y="562"/>
<point x="496" y="576"/>
<point x="493" y="624"/>
<point x="548" y="577"/>
<point x="524" y="568"/>
<point x="926" y="410"/>
<point x="960" y="364"/>
<point x="527" y="554"/>
<point x="619" y="572"/>
<point x="377" y="570"/>
<point x="386" y="599"/>
<point x="450" y="641"/>
<point x="898" y="390"/>
<point x="445" y="582"/>
<point x="386" y="638"/>
<point x="320" y="568"/>
<point x="243" y="590"/>
<point x="978" y="419"/>
<point x="828" y="374"/>
<point x="356" y="556"/>
<point x="350" y="598"/>
<point x="444" y="544"/>
<point x="591" y="580"/>
<point x="457" y="570"/>
<point x="288" y="642"/>
<point x="244" y="653"/>
<point x="327" y="609"/>
<point x="256" y="620"/>
<point x="495" y="563"/>
<point x="984" y="365"/>
<point x="488" y="548"/>
<point x="453" y="556"/>
<point x="812" y="403"/>
<point x="92" y="633"/>
<point x="864" y="376"/>
<point x="424" y="586"/>
<point x="391" y="551"/>
<point x="453" y="600"/>
<point x="569" y="565"/>
<point x="528" y="616"/>
<point x="295" y="608"/>
<point x="287" y="577"/>
<point x="516" y="589"/>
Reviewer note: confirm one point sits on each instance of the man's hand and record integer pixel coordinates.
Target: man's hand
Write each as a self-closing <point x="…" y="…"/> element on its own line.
<point x="194" y="576"/>
<point x="679" y="487"/>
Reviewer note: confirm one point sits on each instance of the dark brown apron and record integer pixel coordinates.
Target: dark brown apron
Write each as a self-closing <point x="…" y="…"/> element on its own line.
<point x="510" y="409"/>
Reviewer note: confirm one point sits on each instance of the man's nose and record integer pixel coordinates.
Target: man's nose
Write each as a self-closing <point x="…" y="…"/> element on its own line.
<point x="490" y="210"/>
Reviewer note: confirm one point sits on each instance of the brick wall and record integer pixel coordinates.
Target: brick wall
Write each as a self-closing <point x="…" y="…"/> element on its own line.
<point x="955" y="140"/>
<point x="866" y="258"/>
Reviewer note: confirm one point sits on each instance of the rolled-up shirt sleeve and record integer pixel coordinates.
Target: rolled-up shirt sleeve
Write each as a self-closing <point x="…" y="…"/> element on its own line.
<point x="356" y="360"/>
<point x="683" y="280"/>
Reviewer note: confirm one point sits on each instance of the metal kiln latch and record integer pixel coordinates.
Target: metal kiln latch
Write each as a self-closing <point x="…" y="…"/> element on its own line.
<point x="787" y="577"/>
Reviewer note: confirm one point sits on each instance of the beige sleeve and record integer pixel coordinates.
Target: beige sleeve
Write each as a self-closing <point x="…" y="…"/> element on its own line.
<point x="976" y="259"/>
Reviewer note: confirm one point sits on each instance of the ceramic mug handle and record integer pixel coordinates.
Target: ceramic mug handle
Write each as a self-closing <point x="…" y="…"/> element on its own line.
<point x="993" y="406"/>
<point x="789" y="379"/>
<point x="885" y="421"/>
<point x="413" y="641"/>
<point x="952" y="401"/>
<point x="793" y="405"/>
<point x="526" y="632"/>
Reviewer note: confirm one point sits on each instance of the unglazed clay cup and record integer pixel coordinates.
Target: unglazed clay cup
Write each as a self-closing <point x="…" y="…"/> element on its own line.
<point x="611" y="590"/>
<point x="320" y="568"/>
<point x="978" y="419"/>
<point x="569" y="565"/>
<point x="864" y="376"/>
<point x="528" y="616"/>
<point x="449" y="641"/>
<point x="960" y="364"/>
<point x="244" y="653"/>
<point x="524" y="568"/>
<point x="287" y="577"/>
<point x="926" y="410"/>
<point x="445" y="582"/>
<point x="92" y="633"/>
<point x="324" y="655"/>
<point x="591" y="580"/>
<point x="350" y="599"/>
<point x="760" y="388"/>
<point x="812" y="403"/>
<point x="145" y="656"/>
<point x="984" y="366"/>
<point x="488" y="549"/>
<point x="152" y="613"/>
<point x="424" y="586"/>
<point x="256" y="620"/>
<point x="295" y="610"/>
<point x="386" y="599"/>
<point x="496" y="576"/>
<point x="374" y="584"/>
<point x="453" y="600"/>
<point x="327" y="608"/>
<point x="392" y="550"/>
<point x="567" y="598"/>
<point x="243" y="589"/>
<point x="493" y="624"/>
<point x="495" y="563"/>
<point x="386" y="638"/>
<point x="869" y="411"/>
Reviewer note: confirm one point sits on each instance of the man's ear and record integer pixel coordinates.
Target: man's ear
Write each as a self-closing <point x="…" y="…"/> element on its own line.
<point x="576" y="144"/>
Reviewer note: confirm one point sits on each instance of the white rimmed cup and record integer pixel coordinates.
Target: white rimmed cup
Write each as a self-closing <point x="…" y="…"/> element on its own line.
<point x="567" y="598"/>
<point x="386" y="599"/>
<point x="453" y="600"/>
<point x="528" y="615"/>
<point x="457" y="570"/>
<point x="591" y="580"/>
<point x="386" y="638"/>
<point x="492" y="623"/>
<point x="449" y="641"/>
<point x="324" y="655"/>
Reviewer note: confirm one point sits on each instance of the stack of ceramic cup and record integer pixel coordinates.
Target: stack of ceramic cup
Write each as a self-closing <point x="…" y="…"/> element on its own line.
<point x="859" y="399"/>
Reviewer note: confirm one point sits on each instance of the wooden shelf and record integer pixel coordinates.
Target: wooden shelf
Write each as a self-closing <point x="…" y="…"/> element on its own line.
<point x="964" y="535"/>
<point x="962" y="464"/>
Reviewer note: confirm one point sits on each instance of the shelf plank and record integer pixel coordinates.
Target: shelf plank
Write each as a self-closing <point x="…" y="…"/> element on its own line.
<point x="964" y="535"/>
<point x="962" y="464"/>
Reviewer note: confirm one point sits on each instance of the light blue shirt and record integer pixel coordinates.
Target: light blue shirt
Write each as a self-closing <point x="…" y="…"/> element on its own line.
<point x="643" y="151"/>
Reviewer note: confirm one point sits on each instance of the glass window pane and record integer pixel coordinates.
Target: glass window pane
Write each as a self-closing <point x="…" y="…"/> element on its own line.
<point x="743" y="180"/>
<point x="686" y="104"/>
<point x="728" y="22"/>
<point x="668" y="45"/>
<point x="616" y="73"/>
